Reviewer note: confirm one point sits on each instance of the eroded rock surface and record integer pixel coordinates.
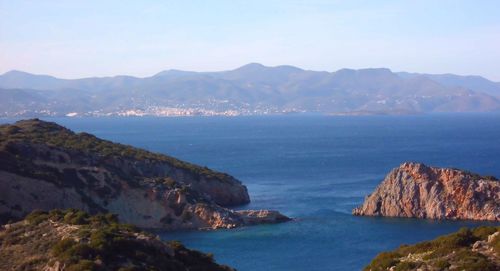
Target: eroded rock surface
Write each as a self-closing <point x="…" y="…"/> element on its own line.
<point x="417" y="190"/>
<point x="46" y="166"/>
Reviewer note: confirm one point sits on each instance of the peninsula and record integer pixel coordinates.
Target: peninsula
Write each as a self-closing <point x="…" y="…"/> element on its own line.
<point x="46" y="166"/>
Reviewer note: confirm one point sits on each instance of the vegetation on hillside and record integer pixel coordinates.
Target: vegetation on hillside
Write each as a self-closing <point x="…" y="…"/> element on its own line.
<point x="449" y="252"/>
<point x="49" y="133"/>
<point x="78" y="241"/>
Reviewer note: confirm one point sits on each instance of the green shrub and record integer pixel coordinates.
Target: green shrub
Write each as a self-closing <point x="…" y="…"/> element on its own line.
<point x="63" y="246"/>
<point x="76" y="218"/>
<point x="482" y="232"/>
<point x="462" y="238"/>
<point x="472" y="261"/>
<point x="384" y="261"/>
<point x="36" y="217"/>
<point x="441" y="265"/>
<point x="491" y="178"/>
<point x="404" y="266"/>
<point x="82" y="265"/>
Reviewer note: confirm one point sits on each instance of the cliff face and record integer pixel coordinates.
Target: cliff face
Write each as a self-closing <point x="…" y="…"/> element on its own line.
<point x="467" y="249"/>
<point x="416" y="190"/>
<point x="46" y="166"/>
<point x="72" y="240"/>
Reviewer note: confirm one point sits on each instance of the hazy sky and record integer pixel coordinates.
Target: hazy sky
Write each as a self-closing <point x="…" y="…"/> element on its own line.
<point x="98" y="38"/>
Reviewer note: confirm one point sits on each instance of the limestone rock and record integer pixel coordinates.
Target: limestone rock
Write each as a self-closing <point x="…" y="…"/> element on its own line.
<point x="251" y="217"/>
<point x="46" y="166"/>
<point x="417" y="190"/>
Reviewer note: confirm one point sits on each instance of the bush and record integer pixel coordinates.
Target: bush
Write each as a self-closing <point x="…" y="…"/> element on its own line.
<point x="63" y="246"/>
<point x="36" y="217"/>
<point x="76" y="218"/>
<point x="442" y="264"/>
<point x="491" y="178"/>
<point x="483" y="232"/>
<point x="83" y="265"/>
<point x="384" y="261"/>
<point x="462" y="238"/>
<point x="472" y="261"/>
<point x="403" y="266"/>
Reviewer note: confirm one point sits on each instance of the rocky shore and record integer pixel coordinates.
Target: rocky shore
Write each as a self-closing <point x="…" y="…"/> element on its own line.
<point x="46" y="166"/>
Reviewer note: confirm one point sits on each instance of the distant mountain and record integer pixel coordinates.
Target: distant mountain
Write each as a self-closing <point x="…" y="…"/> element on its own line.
<point x="472" y="82"/>
<point x="19" y="79"/>
<point x="248" y="90"/>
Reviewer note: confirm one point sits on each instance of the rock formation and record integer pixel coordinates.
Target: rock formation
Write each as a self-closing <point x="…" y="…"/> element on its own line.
<point x="46" y="166"/>
<point x="71" y="240"/>
<point x="417" y="190"/>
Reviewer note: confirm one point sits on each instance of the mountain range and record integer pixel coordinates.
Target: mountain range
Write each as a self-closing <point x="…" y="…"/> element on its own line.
<point x="252" y="89"/>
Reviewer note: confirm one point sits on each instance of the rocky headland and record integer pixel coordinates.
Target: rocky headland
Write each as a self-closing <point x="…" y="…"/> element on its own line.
<point x="420" y="191"/>
<point x="46" y="166"/>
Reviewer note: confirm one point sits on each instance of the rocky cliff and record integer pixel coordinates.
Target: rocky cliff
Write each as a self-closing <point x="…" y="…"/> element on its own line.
<point x="417" y="190"/>
<point x="71" y="240"/>
<point x="475" y="249"/>
<point x="46" y="166"/>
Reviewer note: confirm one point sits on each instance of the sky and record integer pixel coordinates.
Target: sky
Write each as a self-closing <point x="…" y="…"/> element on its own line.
<point x="74" y="39"/>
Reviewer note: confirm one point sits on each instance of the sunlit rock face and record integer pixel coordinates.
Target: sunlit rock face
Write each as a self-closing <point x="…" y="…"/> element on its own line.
<point x="46" y="166"/>
<point x="417" y="190"/>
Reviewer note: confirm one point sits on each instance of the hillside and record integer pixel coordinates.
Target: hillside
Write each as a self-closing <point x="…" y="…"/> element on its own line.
<point x="72" y="240"/>
<point x="475" y="249"/>
<point x="253" y="89"/>
<point x="46" y="166"/>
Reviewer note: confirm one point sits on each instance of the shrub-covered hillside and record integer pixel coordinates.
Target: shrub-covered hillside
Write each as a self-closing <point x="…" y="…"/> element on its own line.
<point x="73" y="240"/>
<point x="475" y="249"/>
<point x="44" y="166"/>
<point x="52" y="134"/>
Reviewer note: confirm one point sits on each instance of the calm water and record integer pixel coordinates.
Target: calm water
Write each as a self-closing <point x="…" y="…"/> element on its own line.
<point x="315" y="169"/>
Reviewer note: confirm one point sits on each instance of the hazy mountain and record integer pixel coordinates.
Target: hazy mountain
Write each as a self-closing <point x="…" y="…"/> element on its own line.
<point x="19" y="79"/>
<point x="472" y="82"/>
<point x="250" y="89"/>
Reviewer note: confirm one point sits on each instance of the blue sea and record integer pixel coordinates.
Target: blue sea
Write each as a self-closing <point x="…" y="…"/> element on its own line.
<point x="315" y="169"/>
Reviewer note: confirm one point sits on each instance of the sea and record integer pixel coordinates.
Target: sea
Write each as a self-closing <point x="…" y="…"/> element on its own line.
<point x="315" y="169"/>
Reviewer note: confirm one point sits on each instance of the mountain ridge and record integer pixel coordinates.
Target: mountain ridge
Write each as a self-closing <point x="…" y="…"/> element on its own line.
<point x="252" y="89"/>
<point x="254" y="65"/>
